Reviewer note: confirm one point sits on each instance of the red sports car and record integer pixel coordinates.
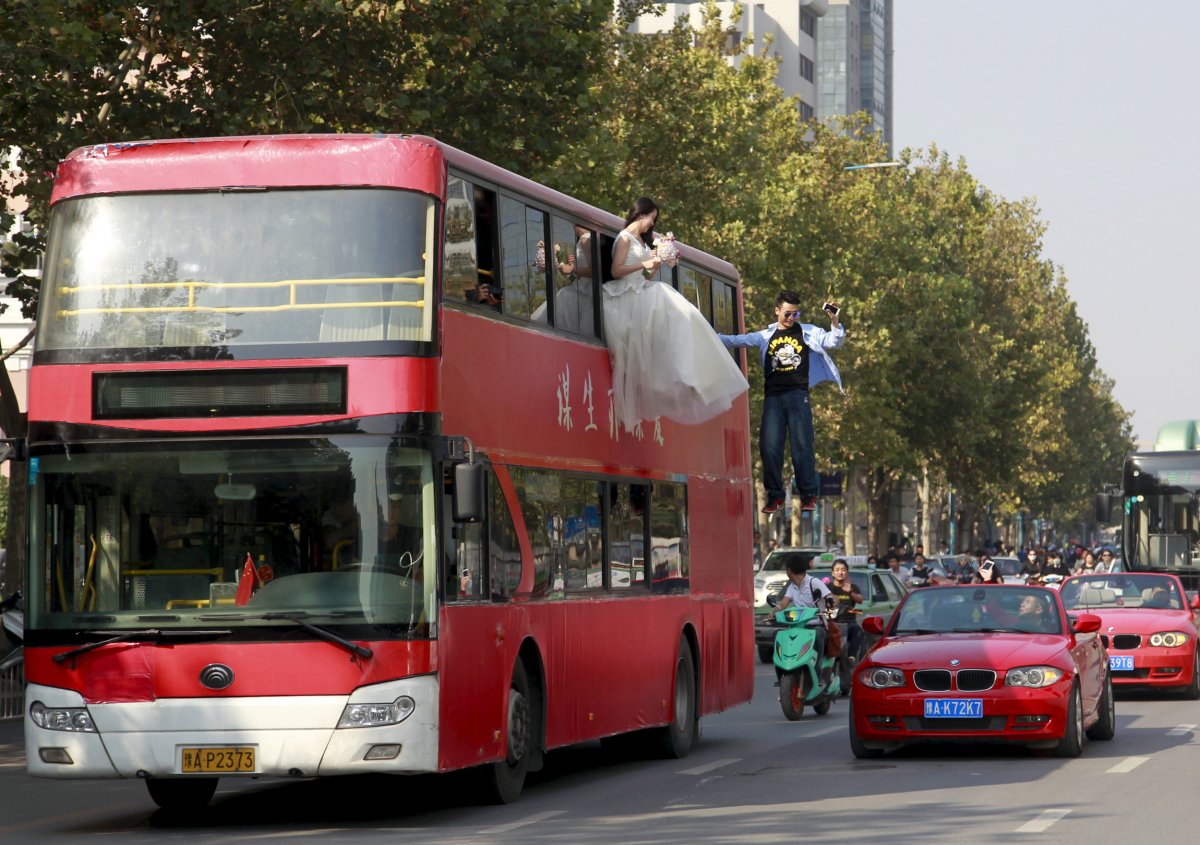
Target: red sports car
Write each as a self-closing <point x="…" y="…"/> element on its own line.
<point x="982" y="663"/>
<point x="1147" y="624"/>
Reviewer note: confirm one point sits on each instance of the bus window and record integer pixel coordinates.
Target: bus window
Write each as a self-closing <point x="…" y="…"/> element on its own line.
<point x="571" y="268"/>
<point x="697" y="287"/>
<point x="669" y="537"/>
<point x="627" y="534"/>
<point x="461" y="272"/>
<point x="724" y="320"/>
<point x="523" y="248"/>
<point x="504" y="552"/>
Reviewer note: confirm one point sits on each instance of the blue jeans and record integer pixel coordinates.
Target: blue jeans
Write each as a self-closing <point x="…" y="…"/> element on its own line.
<point x="787" y="416"/>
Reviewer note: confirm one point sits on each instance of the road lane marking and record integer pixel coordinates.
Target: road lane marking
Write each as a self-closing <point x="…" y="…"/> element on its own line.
<point x="1043" y="821"/>
<point x="1127" y="765"/>
<point x="1181" y="730"/>
<point x="828" y="730"/>
<point x="708" y="767"/>
<point x="525" y="822"/>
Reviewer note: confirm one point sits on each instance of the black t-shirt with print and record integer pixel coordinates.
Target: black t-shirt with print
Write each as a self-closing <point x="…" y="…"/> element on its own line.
<point x="787" y="361"/>
<point x="845" y="601"/>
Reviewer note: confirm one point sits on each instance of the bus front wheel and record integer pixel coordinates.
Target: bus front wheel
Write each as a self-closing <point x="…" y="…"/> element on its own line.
<point x="181" y="793"/>
<point x="506" y="778"/>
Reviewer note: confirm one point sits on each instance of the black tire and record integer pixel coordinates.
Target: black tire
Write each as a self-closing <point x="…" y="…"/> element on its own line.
<point x="1105" y="727"/>
<point x="1071" y="745"/>
<point x="506" y="778"/>
<point x="678" y="737"/>
<point x="1192" y="690"/>
<point x="856" y="744"/>
<point x="792" y="692"/>
<point x="766" y="654"/>
<point x="821" y="707"/>
<point x="181" y="794"/>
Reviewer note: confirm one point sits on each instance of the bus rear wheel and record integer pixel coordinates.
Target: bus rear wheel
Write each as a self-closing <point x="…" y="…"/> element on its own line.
<point x="679" y="736"/>
<point x="506" y="778"/>
<point x="181" y="794"/>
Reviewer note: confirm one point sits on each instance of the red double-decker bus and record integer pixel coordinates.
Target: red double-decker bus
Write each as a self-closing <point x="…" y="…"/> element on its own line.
<point x="325" y="479"/>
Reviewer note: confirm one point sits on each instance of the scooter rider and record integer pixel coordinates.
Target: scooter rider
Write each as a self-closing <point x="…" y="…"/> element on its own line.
<point x="805" y="591"/>
<point x="920" y="575"/>
<point x="848" y="596"/>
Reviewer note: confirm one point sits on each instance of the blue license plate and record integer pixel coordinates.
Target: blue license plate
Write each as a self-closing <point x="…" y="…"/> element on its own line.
<point x="954" y="708"/>
<point x="1121" y="664"/>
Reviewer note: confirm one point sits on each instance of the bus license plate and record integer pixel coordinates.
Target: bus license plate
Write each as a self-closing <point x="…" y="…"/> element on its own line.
<point x="954" y="708"/>
<point x="196" y="760"/>
<point x="1123" y="663"/>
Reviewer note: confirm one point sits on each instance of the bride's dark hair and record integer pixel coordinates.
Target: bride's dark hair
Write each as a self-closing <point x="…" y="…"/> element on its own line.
<point x="643" y="206"/>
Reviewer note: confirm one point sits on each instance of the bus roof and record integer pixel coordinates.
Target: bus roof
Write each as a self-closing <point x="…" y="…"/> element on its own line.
<point x="412" y="162"/>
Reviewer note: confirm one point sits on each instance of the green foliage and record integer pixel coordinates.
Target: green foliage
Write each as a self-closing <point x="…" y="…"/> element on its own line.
<point x="965" y="358"/>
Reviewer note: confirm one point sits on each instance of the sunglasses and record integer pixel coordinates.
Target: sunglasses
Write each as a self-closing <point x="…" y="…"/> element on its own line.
<point x="789" y="315"/>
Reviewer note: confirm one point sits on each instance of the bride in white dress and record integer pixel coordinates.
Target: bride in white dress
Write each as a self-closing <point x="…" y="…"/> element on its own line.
<point x="667" y="360"/>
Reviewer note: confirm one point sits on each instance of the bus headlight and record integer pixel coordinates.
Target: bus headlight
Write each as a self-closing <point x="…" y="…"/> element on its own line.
<point x="376" y="715"/>
<point x="1170" y="639"/>
<point x="72" y="719"/>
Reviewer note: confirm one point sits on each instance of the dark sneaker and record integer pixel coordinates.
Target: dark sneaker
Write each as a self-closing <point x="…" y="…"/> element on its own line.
<point x="808" y="503"/>
<point x="772" y="505"/>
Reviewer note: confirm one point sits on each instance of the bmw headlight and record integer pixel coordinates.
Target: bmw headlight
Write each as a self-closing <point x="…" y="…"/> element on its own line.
<point x="1170" y="639"/>
<point x="1032" y="676"/>
<point x="377" y="715"/>
<point x="882" y="677"/>
<point x="759" y="583"/>
<point x="73" y="719"/>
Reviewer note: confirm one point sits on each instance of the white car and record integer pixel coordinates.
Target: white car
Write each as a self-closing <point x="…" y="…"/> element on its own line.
<point x="772" y="576"/>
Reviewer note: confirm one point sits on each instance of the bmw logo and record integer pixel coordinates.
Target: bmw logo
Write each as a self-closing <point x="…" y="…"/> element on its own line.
<point x="216" y="676"/>
<point x="955" y="662"/>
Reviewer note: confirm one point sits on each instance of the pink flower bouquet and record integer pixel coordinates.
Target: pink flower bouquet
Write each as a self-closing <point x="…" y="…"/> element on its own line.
<point x="667" y="249"/>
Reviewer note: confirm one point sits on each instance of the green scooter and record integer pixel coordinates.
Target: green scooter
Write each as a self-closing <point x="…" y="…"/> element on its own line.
<point x="805" y="677"/>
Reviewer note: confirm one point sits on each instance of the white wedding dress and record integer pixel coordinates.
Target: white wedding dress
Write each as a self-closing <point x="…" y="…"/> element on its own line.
<point x="667" y="360"/>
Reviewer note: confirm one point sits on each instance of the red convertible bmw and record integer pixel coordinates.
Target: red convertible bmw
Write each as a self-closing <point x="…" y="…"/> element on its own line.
<point x="982" y="663"/>
<point x="1148" y="625"/>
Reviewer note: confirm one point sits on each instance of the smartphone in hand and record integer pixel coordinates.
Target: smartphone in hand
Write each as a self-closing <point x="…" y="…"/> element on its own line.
<point x="831" y="309"/>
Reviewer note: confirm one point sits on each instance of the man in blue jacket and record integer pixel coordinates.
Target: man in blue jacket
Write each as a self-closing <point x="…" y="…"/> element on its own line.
<point x="795" y="357"/>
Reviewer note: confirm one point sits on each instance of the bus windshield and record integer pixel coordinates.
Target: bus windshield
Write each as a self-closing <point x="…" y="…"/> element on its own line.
<point x="220" y="269"/>
<point x="221" y="533"/>
<point x="1163" y="511"/>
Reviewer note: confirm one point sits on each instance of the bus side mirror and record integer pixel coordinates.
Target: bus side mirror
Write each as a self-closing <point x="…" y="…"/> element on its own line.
<point x="468" y="492"/>
<point x="1104" y="507"/>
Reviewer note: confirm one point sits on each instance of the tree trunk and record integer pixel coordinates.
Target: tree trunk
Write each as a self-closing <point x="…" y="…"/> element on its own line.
<point x="850" y="511"/>
<point x="926" y="493"/>
<point x="879" y="499"/>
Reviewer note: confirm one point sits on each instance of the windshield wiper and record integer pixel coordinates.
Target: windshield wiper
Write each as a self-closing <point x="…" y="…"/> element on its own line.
<point x="149" y="633"/>
<point x="904" y="631"/>
<point x="991" y="630"/>
<point x="323" y="633"/>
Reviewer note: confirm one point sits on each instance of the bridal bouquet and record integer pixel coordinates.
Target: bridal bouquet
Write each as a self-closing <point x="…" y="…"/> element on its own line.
<point x="666" y="249"/>
<point x="539" y="260"/>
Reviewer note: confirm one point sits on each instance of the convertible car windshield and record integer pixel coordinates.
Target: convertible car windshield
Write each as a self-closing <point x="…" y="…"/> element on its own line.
<point x="1095" y="591"/>
<point x="978" y="609"/>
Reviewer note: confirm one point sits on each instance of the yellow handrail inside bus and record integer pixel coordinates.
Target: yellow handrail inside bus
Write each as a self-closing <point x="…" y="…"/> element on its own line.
<point x="58" y="578"/>
<point x="216" y="571"/>
<point x="291" y="284"/>
<point x="88" y="584"/>
<point x="337" y="550"/>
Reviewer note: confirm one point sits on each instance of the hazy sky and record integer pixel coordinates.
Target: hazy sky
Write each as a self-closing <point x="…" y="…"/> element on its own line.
<point x="1087" y="107"/>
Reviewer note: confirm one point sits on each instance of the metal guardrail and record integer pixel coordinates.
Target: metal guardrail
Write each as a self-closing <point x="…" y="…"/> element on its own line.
<point x="12" y="691"/>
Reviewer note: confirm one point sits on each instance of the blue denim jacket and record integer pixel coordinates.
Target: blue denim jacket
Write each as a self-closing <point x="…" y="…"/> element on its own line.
<point x="820" y="365"/>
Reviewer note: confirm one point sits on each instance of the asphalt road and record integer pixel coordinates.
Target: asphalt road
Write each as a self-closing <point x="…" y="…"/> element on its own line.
<point x="755" y="778"/>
